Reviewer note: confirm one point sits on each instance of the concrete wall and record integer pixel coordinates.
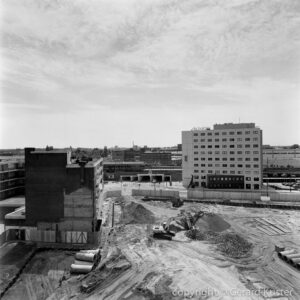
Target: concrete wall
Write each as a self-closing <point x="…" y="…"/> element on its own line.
<point x="232" y="195"/>
<point x="112" y="193"/>
<point x="155" y="193"/>
<point x="291" y="197"/>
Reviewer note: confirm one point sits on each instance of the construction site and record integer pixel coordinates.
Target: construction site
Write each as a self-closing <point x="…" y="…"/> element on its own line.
<point x="160" y="248"/>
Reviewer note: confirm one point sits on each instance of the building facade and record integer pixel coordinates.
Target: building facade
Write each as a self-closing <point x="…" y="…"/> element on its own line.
<point x="12" y="178"/>
<point x="281" y="158"/>
<point x="61" y="194"/>
<point x="158" y="158"/>
<point x="229" y="156"/>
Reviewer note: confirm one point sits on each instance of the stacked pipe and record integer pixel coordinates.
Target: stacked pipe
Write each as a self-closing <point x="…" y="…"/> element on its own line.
<point x="85" y="261"/>
<point x="291" y="256"/>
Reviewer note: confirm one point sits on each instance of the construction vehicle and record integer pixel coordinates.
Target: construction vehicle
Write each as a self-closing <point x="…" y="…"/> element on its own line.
<point x="163" y="232"/>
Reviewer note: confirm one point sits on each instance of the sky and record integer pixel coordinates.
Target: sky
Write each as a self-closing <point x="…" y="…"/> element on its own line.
<point x="93" y="73"/>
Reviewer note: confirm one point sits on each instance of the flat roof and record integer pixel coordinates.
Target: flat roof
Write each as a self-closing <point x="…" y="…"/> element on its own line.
<point x="13" y="202"/>
<point x="58" y="151"/>
<point x="89" y="164"/>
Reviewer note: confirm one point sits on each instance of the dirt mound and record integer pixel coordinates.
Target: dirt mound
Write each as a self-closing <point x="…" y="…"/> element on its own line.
<point x="135" y="213"/>
<point x="215" y="223"/>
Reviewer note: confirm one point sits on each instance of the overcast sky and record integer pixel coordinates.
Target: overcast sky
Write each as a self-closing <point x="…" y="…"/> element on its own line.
<point x="94" y="73"/>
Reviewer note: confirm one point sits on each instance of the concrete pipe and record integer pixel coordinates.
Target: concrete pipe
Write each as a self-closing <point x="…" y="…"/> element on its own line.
<point x="286" y="252"/>
<point x="97" y="252"/>
<point x="80" y="269"/>
<point x="295" y="261"/>
<point x="291" y="256"/>
<point x="85" y="256"/>
<point x="82" y="262"/>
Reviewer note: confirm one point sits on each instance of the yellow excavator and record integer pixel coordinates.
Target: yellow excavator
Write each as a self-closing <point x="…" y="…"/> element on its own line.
<point x="162" y="231"/>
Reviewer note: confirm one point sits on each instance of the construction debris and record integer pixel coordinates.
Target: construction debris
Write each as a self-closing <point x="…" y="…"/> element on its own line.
<point x="135" y="213"/>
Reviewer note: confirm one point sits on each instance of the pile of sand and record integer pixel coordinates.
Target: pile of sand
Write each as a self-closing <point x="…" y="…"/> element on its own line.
<point x="135" y="213"/>
<point x="212" y="222"/>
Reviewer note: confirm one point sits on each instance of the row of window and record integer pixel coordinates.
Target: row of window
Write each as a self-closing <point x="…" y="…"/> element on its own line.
<point x="216" y="133"/>
<point x="225" y="146"/>
<point x="226" y="165"/>
<point x="232" y="172"/>
<point x="225" y="159"/>
<point x="225" y="140"/>
<point x="225" y="152"/>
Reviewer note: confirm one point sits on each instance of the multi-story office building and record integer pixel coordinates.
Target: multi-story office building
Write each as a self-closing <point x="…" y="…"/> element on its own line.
<point x="158" y="158"/>
<point x="229" y="156"/>
<point x="12" y="178"/>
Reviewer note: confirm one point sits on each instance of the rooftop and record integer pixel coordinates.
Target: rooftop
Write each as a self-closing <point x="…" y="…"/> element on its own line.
<point x="13" y="202"/>
<point x="123" y="163"/>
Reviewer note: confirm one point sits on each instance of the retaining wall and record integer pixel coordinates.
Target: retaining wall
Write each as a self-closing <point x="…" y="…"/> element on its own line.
<point x="112" y="193"/>
<point x="155" y="193"/>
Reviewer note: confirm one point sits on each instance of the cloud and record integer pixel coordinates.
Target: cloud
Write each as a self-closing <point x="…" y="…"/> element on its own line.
<point x="134" y="55"/>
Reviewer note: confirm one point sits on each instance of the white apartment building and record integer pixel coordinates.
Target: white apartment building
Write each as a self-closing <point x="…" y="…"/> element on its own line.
<point x="229" y="156"/>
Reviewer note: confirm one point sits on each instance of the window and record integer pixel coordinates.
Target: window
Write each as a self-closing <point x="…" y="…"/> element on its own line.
<point x="248" y="178"/>
<point x="217" y="165"/>
<point x="195" y="134"/>
<point x="231" y="139"/>
<point x="195" y="146"/>
<point x="217" y="172"/>
<point x="232" y="158"/>
<point x="255" y="132"/>
<point x="202" y="158"/>
<point x="216" y="133"/>
<point x="217" y="158"/>
<point x="217" y="146"/>
<point x="232" y="166"/>
<point x="240" y="152"/>
<point x="239" y="139"/>
<point x="195" y="140"/>
<point x="202" y="146"/>
<point x="217" y="152"/>
<point x="210" y="172"/>
<point x="202" y="133"/>
<point x="209" y="146"/>
<point x="224" y="165"/>
<point x="248" y="166"/>
<point x="202" y="152"/>
<point x="247" y="139"/>
<point x="185" y="158"/>
<point x="240" y="166"/>
<point x="240" y="159"/>
<point x="255" y="152"/>
<point x="239" y="132"/>
<point x="217" y="140"/>
<point x="209" y="140"/>
<point x="247" y="132"/>
<point x="232" y="172"/>
<point x="231" y="132"/>
<point x="239" y="172"/>
<point x="247" y="146"/>
<point x="247" y="152"/>
<point x="255" y="139"/>
<point x="224" y="158"/>
<point x="256" y="179"/>
<point x="203" y="177"/>
<point x="240" y="146"/>
<point x="256" y="186"/>
<point x="196" y="158"/>
<point x="196" y="177"/>
<point x="209" y="165"/>
<point x="255" y="166"/>
<point x="247" y="159"/>
<point x="196" y="152"/>
<point x="255" y="146"/>
<point x="231" y="152"/>
<point x="256" y="159"/>
<point x="202" y="165"/>
<point x="231" y="146"/>
<point x="224" y="146"/>
<point x="248" y="186"/>
<point x="209" y="152"/>
<point x="196" y="165"/>
<point x="202" y="140"/>
<point x="224" y="133"/>
<point x="224" y="152"/>
<point x="209" y="133"/>
<point x="202" y="171"/>
<point x="224" y="140"/>
<point x="225" y="172"/>
<point x="196" y="171"/>
<point x="210" y="158"/>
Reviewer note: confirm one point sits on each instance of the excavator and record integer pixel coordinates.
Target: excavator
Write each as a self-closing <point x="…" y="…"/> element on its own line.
<point x="162" y="231"/>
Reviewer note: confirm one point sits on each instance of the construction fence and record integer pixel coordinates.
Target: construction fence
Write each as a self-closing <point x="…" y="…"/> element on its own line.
<point x="155" y="193"/>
